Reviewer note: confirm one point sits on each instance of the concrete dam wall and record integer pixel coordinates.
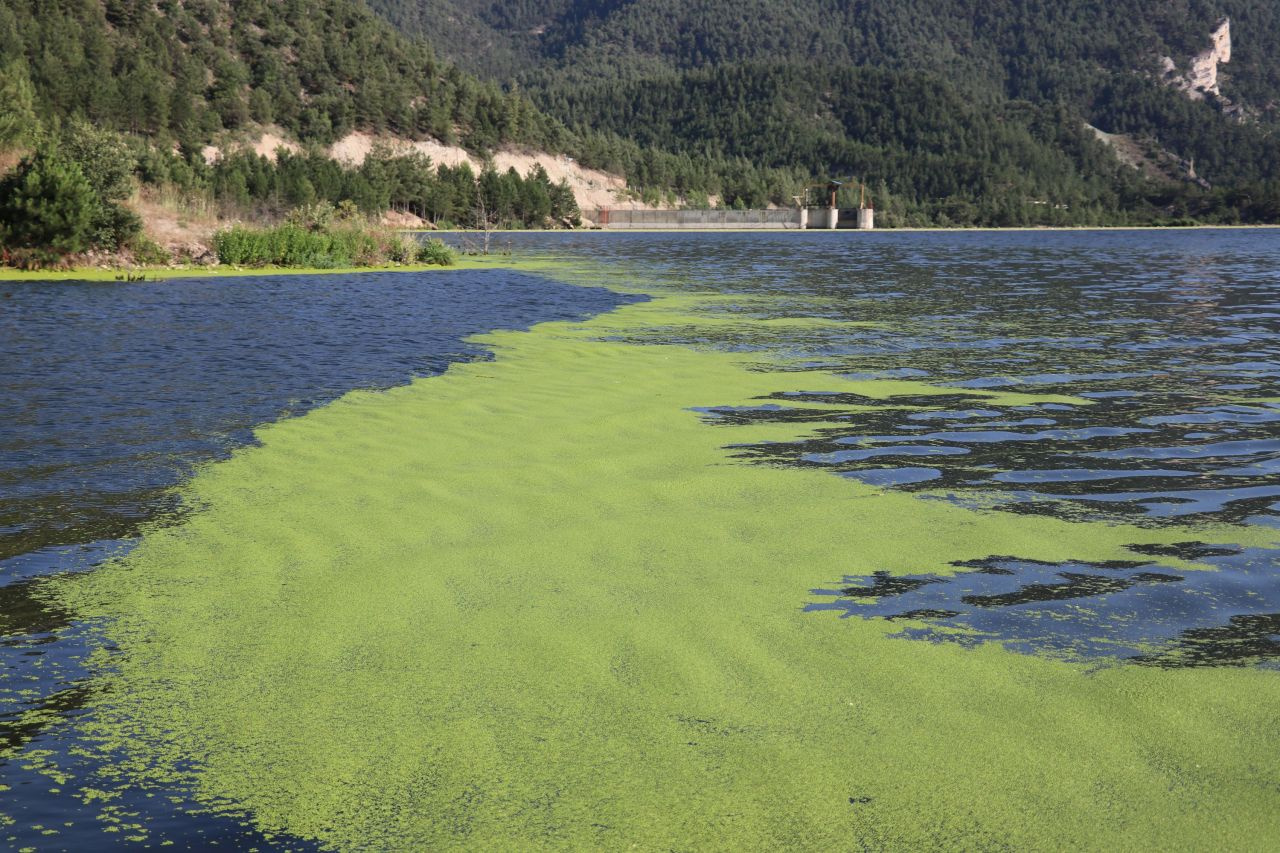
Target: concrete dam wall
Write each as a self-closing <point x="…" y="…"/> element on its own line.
<point x="779" y="219"/>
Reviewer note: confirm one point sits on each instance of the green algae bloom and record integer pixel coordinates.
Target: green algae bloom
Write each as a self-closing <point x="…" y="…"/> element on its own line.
<point x="534" y="603"/>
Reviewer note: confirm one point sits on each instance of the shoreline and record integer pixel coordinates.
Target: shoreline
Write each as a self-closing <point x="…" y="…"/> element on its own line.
<point x="120" y="275"/>
<point x="473" y="262"/>
<point x="912" y="230"/>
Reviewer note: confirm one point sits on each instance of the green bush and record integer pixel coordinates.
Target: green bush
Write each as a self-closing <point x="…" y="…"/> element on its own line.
<point x="149" y="252"/>
<point x="287" y="245"/>
<point x="105" y="158"/>
<point x="113" y="226"/>
<point x="313" y="217"/>
<point x="402" y="250"/>
<point x="292" y="245"/>
<point x="435" y="251"/>
<point x="47" y="209"/>
<point x="108" y="164"/>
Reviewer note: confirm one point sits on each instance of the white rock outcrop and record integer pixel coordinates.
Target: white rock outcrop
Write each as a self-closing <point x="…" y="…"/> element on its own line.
<point x="1202" y="74"/>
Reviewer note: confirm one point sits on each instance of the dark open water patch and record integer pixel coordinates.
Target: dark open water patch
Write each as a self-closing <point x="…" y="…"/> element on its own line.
<point x="112" y="392"/>
<point x="1131" y="610"/>
<point x="1119" y="458"/>
<point x="110" y="395"/>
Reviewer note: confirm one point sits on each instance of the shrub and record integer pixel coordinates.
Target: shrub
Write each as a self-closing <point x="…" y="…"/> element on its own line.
<point x="113" y="226"/>
<point x="402" y="250"/>
<point x="148" y="251"/>
<point x="104" y="157"/>
<point x="293" y="245"/>
<point x="47" y="209"/>
<point x="435" y="251"/>
<point x="356" y="247"/>
<point x="287" y="245"/>
<point x="313" y="217"/>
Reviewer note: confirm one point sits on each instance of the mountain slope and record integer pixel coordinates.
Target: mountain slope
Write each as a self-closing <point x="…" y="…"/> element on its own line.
<point x="1028" y="47"/>
<point x="769" y="81"/>
<point x="190" y="69"/>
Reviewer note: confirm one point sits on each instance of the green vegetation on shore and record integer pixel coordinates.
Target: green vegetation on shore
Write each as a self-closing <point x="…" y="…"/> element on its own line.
<point x="142" y="88"/>
<point x="320" y="237"/>
<point x="67" y="198"/>
<point x="386" y="180"/>
<point x="292" y="246"/>
<point x="176" y="272"/>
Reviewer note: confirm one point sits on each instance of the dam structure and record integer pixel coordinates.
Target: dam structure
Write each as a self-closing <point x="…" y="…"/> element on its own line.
<point x="777" y="219"/>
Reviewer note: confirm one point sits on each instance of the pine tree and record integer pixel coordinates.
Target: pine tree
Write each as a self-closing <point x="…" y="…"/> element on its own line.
<point x="18" y="122"/>
<point x="47" y="206"/>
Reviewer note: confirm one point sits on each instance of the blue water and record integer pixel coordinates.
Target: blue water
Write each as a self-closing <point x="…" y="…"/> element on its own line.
<point x="113" y="391"/>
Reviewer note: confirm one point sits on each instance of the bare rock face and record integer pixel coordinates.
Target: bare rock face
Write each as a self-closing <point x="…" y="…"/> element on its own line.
<point x="1203" y="75"/>
<point x="1201" y="78"/>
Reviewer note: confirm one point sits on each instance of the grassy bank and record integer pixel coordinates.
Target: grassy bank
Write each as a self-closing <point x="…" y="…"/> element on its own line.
<point x="282" y="249"/>
<point x="218" y="271"/>
<point x="325" y="247"/>
<point x="167" y="273"/>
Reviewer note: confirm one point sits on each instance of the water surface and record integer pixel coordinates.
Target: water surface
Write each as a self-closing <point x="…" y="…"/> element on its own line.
<point x="113" y="393"/>
<point x="1090" y="380"/>
<point x="1156" y="358"/>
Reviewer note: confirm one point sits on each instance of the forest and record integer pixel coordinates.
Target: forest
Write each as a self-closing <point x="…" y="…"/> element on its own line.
<point x="954" y="112"/>
<point x="955" y="106"/>
<point x="182" y="71"/>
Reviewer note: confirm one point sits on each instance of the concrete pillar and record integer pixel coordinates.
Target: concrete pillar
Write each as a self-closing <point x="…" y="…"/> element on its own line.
<point x="804" y="218"/>
<point x="866" y="219"/>
<point x="833" y="216"/>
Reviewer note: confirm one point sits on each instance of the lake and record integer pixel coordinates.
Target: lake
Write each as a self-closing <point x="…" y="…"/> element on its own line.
<point x="693" y="540"/>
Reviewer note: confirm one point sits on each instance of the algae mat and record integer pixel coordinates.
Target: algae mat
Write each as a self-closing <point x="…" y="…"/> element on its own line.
<point x="535" y="603"/>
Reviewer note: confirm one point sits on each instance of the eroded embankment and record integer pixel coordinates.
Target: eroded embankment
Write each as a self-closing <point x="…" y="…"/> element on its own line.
<point x="534" y="602"/>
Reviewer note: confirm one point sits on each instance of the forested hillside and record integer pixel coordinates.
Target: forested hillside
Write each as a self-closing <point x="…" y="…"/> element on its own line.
<point x="128" y="127"/>
<point x="977" y="107"/>
<point x="176" y="75"/>
<point x="189" y="69"/>
<point x="1027" y="48"/>
<point x="999" y="112"/>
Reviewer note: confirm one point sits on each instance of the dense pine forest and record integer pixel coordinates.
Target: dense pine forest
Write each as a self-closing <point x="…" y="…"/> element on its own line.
<point x="962" y="111"/>
<point x="956" y="112"/>
<point x="183" y="70"/>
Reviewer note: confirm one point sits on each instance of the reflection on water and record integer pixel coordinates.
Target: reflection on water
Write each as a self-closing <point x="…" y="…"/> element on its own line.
<point x="111" y="394"/>
<point x="1113" y="459"/>
<point x="1148" y="367"/>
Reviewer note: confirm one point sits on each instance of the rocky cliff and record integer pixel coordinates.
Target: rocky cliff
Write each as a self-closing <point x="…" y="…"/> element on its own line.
<point x="1201" y="77"/>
